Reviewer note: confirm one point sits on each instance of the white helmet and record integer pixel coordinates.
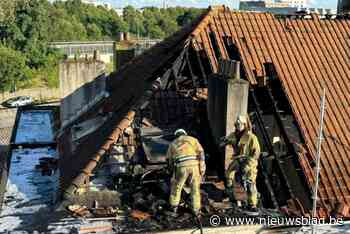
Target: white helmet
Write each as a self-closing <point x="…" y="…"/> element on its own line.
<point x="241" y="122"/>
<point x="180" y="132"/>
<point x="242" y="119"/>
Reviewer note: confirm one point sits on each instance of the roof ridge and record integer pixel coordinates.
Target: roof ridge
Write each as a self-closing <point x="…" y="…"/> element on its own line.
<point x="204" y="21"/>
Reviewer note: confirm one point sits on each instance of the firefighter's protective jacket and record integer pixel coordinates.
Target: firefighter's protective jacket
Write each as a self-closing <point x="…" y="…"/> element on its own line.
<point x="186" y="151"/>
<point x="247" y="151"/>
<point x="248" y="145"/>
<point x="186" y="160"/>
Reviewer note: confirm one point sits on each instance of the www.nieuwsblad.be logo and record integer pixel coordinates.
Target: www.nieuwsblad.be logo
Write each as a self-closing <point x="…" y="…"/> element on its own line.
<point x="216" y="220"/>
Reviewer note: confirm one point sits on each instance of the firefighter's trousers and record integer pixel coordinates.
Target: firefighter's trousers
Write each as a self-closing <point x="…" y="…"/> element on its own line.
<point x="249" y="173"/>
<point x="190" y="174"/>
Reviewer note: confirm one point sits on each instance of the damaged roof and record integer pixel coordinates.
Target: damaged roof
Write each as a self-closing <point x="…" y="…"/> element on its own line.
<point x="127" y="89"/>
<point x="306" y="53"/>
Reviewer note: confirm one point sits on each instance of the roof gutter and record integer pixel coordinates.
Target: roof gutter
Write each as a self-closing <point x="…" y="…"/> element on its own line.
<point x="112" y="138"/>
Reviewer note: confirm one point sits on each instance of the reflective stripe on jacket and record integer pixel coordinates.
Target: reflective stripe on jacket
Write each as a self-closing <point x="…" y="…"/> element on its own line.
<point x="182" y="148"/>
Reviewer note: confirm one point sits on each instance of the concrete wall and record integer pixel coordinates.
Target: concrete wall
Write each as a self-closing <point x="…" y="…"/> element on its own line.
<point x="82" y="82"/>
<point x="75" y="73"/>
<point x="107" y="58"/>
<point x="87" y="48"/>
<point x="227" y="99"/>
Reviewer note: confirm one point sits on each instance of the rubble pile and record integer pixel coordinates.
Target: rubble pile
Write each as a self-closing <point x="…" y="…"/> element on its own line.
<point x="144" y="207"/>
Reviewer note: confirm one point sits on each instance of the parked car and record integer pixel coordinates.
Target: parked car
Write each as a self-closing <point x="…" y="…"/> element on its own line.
<point x="18" y="101"/>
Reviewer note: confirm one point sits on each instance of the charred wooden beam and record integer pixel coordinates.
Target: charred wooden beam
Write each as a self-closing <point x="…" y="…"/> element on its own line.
<point x="278" y="117"/>
<point x="201" y="68"/>
<point x="269" y="146"/>
<point x="194" y="79"/>
<point x="292" y="151"/>
<point x="269" y="186"/>
<point x="261" y="122"/>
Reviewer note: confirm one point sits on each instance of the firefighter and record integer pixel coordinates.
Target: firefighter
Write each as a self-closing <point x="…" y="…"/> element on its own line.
<point x="186" y="161"/>
<point x="245" y="160"/>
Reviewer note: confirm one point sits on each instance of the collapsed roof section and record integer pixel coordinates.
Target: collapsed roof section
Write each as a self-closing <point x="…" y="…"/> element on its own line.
<point x="127" y="89"/>
<point x="305" y="54"/>
<point x="302" y="52"/>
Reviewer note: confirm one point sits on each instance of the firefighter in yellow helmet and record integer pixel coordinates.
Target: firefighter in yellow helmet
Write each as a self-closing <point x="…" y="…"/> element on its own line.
<point x="245" y="160"/>
<point x="186" y="161"/>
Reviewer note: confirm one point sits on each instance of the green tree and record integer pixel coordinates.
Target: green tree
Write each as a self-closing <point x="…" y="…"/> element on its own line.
<point x="135" y="20"/>
<point x="50" y="70"/>
<point x="188" y="16"/>
<point x="155" y="31"/>
<point x="68" y="30"/>
<point x="13" y="68"/>
<point x="28" y="33"/>
<point x="168" y="25"/>
<point x="28" y="26"/>
<point x="7" y="10"/>
<point x="93" y="31"/>
<point x="118" y="25"/>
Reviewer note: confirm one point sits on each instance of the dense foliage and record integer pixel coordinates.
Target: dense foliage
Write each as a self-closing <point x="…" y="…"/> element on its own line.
<point x="27" y="27"/>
